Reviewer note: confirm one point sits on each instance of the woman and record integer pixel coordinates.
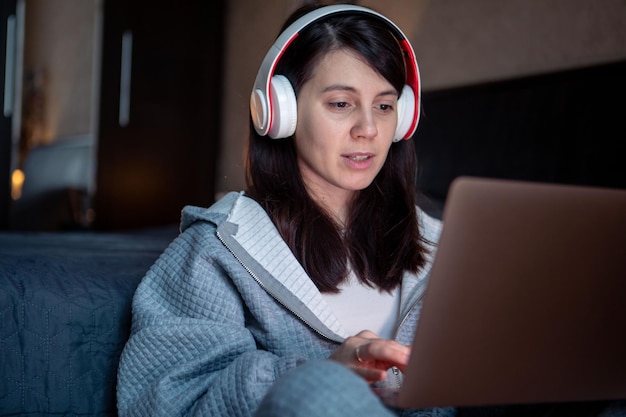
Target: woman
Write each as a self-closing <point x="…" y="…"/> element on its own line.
<point x="313" y="274"/>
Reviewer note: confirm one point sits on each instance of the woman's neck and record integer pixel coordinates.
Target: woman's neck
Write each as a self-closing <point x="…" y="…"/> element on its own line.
<point x="336" y="205"/>
<point x="334" y="200"/>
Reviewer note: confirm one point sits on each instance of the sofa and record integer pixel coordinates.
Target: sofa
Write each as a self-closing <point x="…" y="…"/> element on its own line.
<point x="65" y="306"/>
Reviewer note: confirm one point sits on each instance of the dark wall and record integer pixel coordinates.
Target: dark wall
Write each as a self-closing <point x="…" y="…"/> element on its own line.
<point x="566" y="127"/>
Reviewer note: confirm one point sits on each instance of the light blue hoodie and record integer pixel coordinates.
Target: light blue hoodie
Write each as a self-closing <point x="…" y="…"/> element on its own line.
<point x="226" y="310"/>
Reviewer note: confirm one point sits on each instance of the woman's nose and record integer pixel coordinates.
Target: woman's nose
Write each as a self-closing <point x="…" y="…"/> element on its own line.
<point x="364" y="125"/>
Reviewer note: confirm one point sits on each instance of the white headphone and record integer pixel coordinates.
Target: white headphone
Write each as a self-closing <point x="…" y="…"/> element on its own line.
<point x="273" y="101"/>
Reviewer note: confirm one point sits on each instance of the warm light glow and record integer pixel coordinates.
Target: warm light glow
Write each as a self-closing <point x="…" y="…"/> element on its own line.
<point x="17" y="181"/>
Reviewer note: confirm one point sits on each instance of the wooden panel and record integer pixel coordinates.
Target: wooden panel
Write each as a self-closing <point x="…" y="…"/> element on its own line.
<point x="7" y="8"/>
<point x="565" y="127"/>
<point x="165" y="157"/>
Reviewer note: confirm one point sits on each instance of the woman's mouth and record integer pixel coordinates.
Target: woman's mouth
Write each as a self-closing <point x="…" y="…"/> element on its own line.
<point x="358" y="158"/>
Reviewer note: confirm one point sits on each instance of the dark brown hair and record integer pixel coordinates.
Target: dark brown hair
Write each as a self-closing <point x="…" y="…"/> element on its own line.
<point x="381" y="239"/>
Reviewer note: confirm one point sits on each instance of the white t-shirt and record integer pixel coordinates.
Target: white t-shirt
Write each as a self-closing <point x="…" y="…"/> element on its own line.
<point x="359" y="307"/>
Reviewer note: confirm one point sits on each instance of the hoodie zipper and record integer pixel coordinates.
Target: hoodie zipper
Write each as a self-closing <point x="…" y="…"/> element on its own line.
<point x="395" y="370"/>
<point x="258" y="281"/>
<point x="401" y="322"/>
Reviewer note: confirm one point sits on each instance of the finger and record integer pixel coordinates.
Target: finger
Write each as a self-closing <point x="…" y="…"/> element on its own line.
<point x="382" y="354"/>
<point x="370" y="374"/>
<point x="367" y="334"/>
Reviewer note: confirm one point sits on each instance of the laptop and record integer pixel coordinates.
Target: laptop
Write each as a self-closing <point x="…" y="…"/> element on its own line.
<point x="526" y="301"/>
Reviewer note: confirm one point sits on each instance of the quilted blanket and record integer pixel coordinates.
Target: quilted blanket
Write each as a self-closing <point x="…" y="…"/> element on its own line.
<point x="65" y="302"/>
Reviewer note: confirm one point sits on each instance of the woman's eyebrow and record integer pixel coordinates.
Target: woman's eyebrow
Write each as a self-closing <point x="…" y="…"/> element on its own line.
<point x="343" y="87"/>
<point x="339" y="87"/>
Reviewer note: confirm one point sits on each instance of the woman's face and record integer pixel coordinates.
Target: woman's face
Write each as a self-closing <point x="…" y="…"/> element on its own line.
<point x="346" y="122"/>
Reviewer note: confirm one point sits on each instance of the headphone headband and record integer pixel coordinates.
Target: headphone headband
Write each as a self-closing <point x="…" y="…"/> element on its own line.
<point x="261" y="103"/>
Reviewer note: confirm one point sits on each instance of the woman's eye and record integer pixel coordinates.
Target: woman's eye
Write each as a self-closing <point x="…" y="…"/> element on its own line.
<point x="386" y="107"/>
<point x="340" y="105"/>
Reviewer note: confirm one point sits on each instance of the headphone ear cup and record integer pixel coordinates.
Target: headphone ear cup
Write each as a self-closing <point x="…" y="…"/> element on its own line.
<point x="284" y="108"/>
<point x="406" y="112"/>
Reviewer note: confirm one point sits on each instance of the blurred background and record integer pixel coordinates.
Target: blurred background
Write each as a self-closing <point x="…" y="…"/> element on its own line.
<point x="117" y="113"/>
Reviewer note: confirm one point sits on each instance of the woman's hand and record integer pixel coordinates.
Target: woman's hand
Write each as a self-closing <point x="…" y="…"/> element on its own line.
<point x="370" y="356"/>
